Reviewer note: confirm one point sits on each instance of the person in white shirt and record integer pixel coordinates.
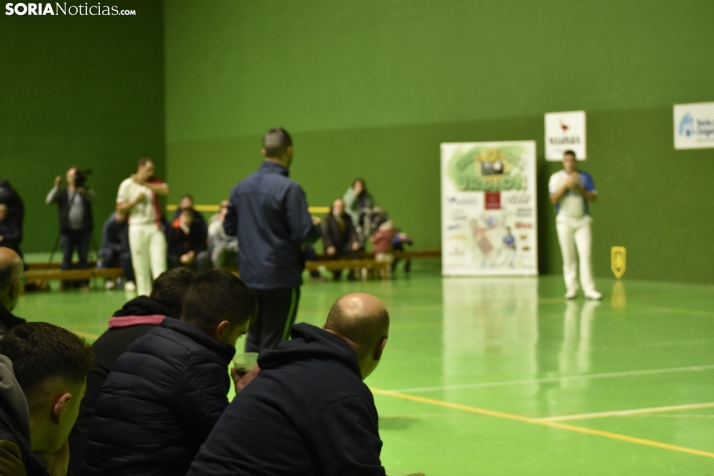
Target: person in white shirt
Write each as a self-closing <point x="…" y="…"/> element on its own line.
<point x="570" y="191"/>
<point x="138" y="198"/>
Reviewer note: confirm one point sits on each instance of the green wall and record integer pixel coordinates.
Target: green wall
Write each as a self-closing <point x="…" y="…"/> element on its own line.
<point x="371" y="88"/>
<point x="85" y="91"/>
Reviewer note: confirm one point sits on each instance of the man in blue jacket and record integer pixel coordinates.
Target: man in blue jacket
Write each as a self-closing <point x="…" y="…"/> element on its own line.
<point x="308" y="410"/>
<point x="268" y="213"/>
<point x="168" y="389"/>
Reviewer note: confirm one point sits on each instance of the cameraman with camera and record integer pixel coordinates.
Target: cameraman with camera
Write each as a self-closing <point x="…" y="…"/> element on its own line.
<point x="75" y="214"/>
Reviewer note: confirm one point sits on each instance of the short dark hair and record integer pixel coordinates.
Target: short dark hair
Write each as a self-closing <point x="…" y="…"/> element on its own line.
<point x="143" y="161"/>
<point x="186" y="195"/>
<point x="276" y="142"/>
<point x="364" y="184"/>
<point x="570" y="152"/>
<point x="218" y="296"/>
<point x="40" y="351"/>
<point x="171" y="286"/>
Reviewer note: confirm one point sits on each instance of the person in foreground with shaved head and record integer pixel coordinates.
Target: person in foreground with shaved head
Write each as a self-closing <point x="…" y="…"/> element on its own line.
<point x="12" y="279"/>
<point x="307" y="412"/>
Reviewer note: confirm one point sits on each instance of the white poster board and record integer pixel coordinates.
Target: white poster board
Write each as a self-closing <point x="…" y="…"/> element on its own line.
<point x="565" y="131"/>
<point x="488" y="208"/>
<point x="694" y="126"/>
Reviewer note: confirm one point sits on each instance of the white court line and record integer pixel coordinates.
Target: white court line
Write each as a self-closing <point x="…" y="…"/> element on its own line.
<point x="586" y="416"/>
<point x="631" y="373"/>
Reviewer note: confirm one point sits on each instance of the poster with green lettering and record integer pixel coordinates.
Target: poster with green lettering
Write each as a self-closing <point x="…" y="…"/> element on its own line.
<point x="485" y="168"/>
<point x="489" y="224"/>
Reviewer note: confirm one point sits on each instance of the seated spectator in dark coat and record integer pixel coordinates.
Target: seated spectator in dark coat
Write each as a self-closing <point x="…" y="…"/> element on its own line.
<point x="186" y="203"/>
<point x="338" y="234"/>
<point x="222" y="247"/>
<point x="12" y="279"/>
<point x="10" y="234"/>
<point x="132" y="321"/>
<point x="187" y="243"/>
<point x="15" y="207"/>
<point x="168" y="389"/>
<point x="308" y="411"/>
<point x="115" y="249"/>
<point x="50" y="366"/>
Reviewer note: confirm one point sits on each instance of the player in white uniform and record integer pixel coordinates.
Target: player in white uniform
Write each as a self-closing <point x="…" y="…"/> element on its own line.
<point x="570" y="191"/>
<point x="137" y="197"/>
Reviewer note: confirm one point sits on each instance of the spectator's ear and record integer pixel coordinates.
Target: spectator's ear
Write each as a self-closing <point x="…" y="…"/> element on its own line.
<point x="59" y="407"/>
<point x="380" y="348"/>
<point x="15" y="289"/>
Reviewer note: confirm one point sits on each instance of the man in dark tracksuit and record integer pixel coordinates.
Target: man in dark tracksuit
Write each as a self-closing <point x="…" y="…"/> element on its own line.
<point x="268" y="213"/>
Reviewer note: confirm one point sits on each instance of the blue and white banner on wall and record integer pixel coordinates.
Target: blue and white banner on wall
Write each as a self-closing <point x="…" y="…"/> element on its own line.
<point x="694" y="125"/>
<point x="488" y="208"/>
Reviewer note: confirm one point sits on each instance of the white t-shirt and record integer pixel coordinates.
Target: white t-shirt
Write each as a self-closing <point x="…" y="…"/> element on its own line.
<point x="572" y="204"/>
<point x="143" y="212"/>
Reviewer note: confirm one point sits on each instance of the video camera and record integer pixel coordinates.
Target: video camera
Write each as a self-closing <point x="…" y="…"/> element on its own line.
<point x="80" y="177"/>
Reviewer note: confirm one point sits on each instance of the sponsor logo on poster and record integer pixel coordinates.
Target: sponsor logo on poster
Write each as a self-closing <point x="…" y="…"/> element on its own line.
<point x="694" y="126"/>
<point x="492" y="200"/>
<point x="564" y="131"/>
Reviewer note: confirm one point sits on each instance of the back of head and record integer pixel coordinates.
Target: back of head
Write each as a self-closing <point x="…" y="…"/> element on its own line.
<point x="276" y="142"/>
<point x="45" y="356"/>
<point x="171" y="286"/>
<point x="11" y="269"/>
<point x="361" y="318"/>
<point x="218" y="296"/>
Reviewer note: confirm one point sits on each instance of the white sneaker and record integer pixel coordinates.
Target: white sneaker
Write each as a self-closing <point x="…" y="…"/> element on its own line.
<point x="110" y="284"/>
<point x="571" y="295"/>
<point x="130" y="286"/>
<point x="593" y="295"/>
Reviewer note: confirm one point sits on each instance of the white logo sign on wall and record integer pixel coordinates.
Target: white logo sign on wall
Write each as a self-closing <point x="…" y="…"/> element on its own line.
<point x="694" y="125"/>
<point x="564" y="131"/>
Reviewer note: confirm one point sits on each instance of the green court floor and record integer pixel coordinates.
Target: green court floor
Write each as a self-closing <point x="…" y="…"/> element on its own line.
<point x="501" y="376"/>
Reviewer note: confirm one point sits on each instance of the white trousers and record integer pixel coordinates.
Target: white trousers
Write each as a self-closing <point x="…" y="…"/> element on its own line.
<point x="148" y="255"/>
<point x="574" y="234"/>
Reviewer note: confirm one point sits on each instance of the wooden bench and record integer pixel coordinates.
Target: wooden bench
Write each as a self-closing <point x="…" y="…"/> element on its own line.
<point x="56" y="274"/>
<point x="381" y="267"/>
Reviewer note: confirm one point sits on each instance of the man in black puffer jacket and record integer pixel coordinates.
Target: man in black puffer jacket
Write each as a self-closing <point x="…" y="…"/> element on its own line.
<point x="308" y="411"/>
<point x="133" y="320"/>
<point x="168" y="389"/>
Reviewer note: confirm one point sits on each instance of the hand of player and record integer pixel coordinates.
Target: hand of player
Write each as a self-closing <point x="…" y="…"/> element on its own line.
<point x="57" y="463"/>
<point x="58" y="181"/>
<point x="355" y="246"/>
<point x="315" y="220"/>
<point x="241" y="378"/>
<point x="331" y="250"/>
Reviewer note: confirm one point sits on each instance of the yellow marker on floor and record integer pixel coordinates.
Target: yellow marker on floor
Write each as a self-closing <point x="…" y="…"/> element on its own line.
<point x="618" y="261"/>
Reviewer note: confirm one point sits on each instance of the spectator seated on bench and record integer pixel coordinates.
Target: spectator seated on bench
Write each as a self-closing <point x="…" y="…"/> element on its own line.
<point x="10" y="234"/>
<point x="222" y="248"/>
<point x="339" y="236"/>
<point x="187" y="243"/>
<point x="115" y="249"/>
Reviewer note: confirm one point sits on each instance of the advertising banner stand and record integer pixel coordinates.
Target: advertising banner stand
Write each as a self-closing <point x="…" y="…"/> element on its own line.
<point x="488" y="208"/>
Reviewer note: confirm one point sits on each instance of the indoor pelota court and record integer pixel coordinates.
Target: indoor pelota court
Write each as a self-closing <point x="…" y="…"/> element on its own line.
<point x="545" y="168"/>
<point x="502" y="376"/>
